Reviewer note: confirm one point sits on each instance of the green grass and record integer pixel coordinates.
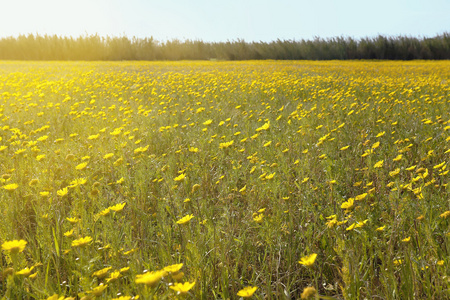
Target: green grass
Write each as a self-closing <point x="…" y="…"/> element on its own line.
<point x="259" y="204"/>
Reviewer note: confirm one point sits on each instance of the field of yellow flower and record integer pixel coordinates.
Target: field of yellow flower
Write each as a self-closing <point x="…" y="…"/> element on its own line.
<point x="221" y="180"/>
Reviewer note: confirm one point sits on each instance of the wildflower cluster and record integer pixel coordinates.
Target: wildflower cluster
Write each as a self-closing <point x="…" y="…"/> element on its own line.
<point x="266" y="179"/>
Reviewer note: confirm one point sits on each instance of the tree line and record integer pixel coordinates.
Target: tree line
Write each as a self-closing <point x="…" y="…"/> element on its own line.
<point x="95" y="47"/>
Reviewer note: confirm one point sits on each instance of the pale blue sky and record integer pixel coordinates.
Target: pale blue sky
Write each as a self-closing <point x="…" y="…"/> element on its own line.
<point x="211" y="20"/>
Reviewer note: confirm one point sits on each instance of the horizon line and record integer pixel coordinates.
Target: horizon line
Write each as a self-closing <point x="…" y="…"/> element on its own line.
<point x="87" y="35"/>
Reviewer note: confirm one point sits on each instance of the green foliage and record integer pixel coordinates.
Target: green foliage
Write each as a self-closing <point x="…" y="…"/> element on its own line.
<point x="94" y="47"/>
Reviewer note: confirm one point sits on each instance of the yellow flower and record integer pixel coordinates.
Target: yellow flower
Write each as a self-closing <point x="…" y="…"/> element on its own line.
<point x="40" y="157"/>
<point x="361" y="224"/>
<point x="14" y="246"/>
<point x="398" y="262"/>
<point x="308" y="261"/>
<point x="173" y="268"/>
<point x="98" y="291"/>
<point x="398" y="157"/>
<point x="185" y="219"/>
<point x="406" y="240"/>
<point x="104" y="212"/>
<point x="68" y="233"/>
<point x="351" y="227"/>
<point x="118" y="207"/>
<point x="439" y="165"/>
<point x="270" y="176"/>
<point x="124" y="298"/>
<point x="379" y="164"/>
<point x="150" y="278"/>
<point x="130" y="251"/>
<point x="108" y="156"/>
<point x="361" y="197"/>
<point x="93" y="137"/>
<point x="73" y="220"/>
<point x="381" y="134"/>
<point x="380" y="228"/>
<point x="116" y="132"/>
<point x="11" y="187"/>
<point x="81" y="166"/>
<point x="366" y="153"/>
<point x="331" y="223"/>
<point x="258" y="218"/>
<point x="81" y="242"/>
<point x="226" y="145"/>
<point x="42" y="138"/>
<point x="242" y="190"/>
<point x="101" y="273"/>
<point x="394" y="173"/>
<point x="181" y="177"/>
<point x="348" y="205"/>
<point x="77" y="182"/>
<point x="25" y="272"/>
<point x="114" y="276"/>
<point x="411" y="168"/>
<point x="308" y="292"/>
<point x="56" y="297"/>
<point x="444" y="215"/>
<point x="182" y="288"/>
<point x="266" y="126"/>
<point x="20" y="151"/>
<point x="331" y="217"/>
<point x="193" y="149"/>
<point x="62" y="192"/>
<point x="141" y="149"/>
<point x="247" y="292"/>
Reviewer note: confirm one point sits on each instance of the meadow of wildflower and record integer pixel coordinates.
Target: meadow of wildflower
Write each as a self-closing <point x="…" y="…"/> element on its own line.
<point x="221" y="180"/>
